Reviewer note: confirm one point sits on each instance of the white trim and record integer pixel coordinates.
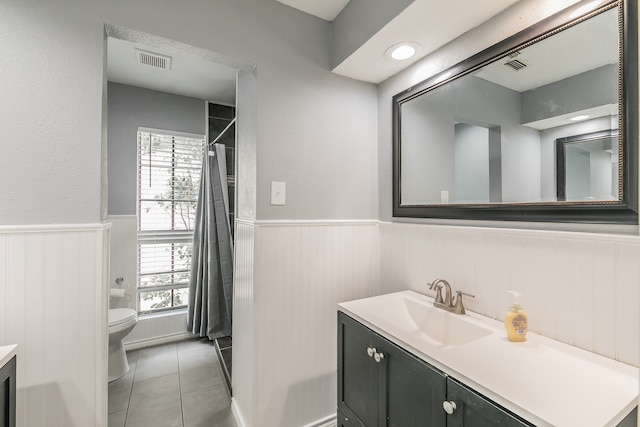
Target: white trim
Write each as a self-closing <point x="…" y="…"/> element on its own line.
<point x="167" y="313"/>
<point x="248" y="221"/>
<point x="566" y="235"/>
<point x="328" y="421"/>
<point x="53" y="228"/>
<point x="237" y="415"/>
<point x="308" y="222"/>
<point x="129" y="216"/>
<point x="569" y="227"/>
<point x="165" y="339"/>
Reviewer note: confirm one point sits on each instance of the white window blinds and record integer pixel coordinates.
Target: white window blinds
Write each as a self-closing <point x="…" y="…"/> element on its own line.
<point x="169" y="166"/>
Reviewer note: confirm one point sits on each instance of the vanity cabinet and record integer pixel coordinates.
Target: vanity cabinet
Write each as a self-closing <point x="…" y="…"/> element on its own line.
<point x="343" y="420"/>
<point x="380" y="384"/>
<point x="475" y="410"/>
<point x="383" y="385"/>
<point x="8" y="394"/>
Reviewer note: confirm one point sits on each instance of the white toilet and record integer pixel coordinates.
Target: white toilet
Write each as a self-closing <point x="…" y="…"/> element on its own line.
<point x="121" y="322"/>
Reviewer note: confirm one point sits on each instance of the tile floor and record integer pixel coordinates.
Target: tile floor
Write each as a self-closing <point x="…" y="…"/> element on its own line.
<point x="223" y="350"/>
<point x="172" y="385"/>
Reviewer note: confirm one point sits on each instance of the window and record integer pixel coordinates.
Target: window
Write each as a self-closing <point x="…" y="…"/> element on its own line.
<point x="169" y="167"/>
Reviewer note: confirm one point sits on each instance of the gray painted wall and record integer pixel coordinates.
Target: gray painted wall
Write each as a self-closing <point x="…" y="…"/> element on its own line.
<point x="246" y="145"/>
<point x="316" y="131"/>
<point x="578" y="175"/>
<point x="587" y="90"/>
<point x="427" y="152"/>
<point x="358" y="22"/>
<point x="305" y="126"/>
<point x="128" y="108"/>
<point x="471" y="162"/>
<point x="474" y="101"/>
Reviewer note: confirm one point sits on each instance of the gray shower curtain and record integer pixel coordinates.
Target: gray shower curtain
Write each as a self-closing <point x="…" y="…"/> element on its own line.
<point x="211" y="280"/>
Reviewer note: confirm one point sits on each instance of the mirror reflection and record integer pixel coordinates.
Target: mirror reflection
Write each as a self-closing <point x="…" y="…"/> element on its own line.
<point x="491" y="136"/>
<point x="587" y="166"/>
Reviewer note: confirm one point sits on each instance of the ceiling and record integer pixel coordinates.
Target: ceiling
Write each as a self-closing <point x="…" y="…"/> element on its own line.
<point x="189" y="75"/>
<point x="428" y="22"/>
<point x="325" y="9"/>
<point x="587" y="46"/>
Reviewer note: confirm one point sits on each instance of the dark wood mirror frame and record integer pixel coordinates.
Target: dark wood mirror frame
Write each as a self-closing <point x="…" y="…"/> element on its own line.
<point x="622" y="211"/>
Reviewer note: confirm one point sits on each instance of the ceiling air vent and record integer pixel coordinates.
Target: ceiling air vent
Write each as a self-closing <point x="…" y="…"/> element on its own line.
<point x="515" y="64"/>
<point x="153" y="59"/>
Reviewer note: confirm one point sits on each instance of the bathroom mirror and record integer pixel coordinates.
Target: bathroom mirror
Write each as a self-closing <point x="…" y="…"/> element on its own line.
<point x="539" y="127"/>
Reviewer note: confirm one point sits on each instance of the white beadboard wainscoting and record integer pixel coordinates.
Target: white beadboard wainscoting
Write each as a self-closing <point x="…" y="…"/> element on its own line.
<point x="299" y="271"/>
<point x="151" y="329"/>
<point x="156" y="329"/>
<point x="123" y="258"/>
<point x="579" y="288"/>
<point x="53" y="283"/>
<point x="243" y="331"/>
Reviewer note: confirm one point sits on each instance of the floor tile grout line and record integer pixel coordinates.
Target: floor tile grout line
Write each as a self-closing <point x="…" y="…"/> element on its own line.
<point x="180" y="384"/>
<point x="133" y="380"/>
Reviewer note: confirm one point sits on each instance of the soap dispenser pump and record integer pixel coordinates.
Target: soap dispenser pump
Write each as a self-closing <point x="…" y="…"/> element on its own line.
<point x="515" y="321"/>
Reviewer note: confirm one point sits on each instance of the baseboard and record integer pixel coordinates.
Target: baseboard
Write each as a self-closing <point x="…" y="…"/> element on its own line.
<point x="237" y="416"/>
<point x="165" y="339"/>
<point x="329" y="421"/>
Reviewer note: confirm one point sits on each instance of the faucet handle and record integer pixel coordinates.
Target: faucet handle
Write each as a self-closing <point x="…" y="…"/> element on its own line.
<point x="459" y="307"/>
<point x="438" y="287"/>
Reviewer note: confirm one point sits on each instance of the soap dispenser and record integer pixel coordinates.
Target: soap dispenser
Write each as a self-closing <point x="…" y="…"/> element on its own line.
<point x="515" y="321"/>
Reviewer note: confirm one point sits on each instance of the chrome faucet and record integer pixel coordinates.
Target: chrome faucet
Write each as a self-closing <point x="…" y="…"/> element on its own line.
<point x="448" y="303"/>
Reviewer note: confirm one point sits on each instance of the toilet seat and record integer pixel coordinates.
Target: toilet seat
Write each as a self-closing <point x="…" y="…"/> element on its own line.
<point x="118" y="316"/>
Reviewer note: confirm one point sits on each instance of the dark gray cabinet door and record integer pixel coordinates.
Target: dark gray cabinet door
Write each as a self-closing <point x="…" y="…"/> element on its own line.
<point x="357" y="373"/>
<point x="343" y="420"/>
<point x="414" y="390"/>
<point x="395" y="389"/>
<point x="474" y="410"/>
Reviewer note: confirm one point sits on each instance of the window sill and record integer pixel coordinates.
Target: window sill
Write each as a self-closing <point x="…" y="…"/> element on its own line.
<point x="168" y="313"/>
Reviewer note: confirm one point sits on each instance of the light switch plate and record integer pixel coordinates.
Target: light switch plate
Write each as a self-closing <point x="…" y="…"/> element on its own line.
<point x="278" y="193"/>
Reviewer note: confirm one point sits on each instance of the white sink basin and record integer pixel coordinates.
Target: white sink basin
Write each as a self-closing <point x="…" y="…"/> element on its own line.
<point x="410" y="314"/>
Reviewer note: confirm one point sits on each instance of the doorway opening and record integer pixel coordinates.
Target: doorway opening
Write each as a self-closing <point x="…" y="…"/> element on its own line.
<point x="156" y="69"/>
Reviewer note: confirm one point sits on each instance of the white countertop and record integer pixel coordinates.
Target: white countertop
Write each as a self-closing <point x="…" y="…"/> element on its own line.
<point x="7" y="352"/>
<point x="547" y="382"/>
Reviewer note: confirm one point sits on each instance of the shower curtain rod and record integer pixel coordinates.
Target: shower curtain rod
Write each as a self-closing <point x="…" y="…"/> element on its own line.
<point x="223" y="131"/>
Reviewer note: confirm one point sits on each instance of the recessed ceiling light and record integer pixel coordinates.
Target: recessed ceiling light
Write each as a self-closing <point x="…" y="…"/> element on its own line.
<point x="403" y="51"/>
<point x="578" y="118"/>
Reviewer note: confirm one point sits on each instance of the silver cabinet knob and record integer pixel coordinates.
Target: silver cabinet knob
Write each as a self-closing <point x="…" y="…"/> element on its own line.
<point x="449" y="406"/>
<point x="371" y="351"/>
<point x="378" y="357"/>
